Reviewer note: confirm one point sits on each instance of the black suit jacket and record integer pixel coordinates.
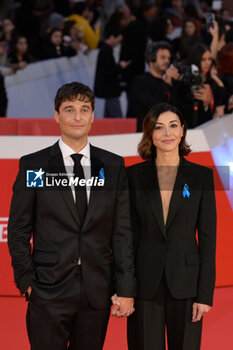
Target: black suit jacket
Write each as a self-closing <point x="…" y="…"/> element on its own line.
<point x="105" y="242"/>
<point x="189" y="265"/>
<point x="107" y="81"/>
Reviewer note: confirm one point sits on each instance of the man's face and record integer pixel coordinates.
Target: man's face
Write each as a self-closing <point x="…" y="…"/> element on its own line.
<point x="56" y="38"/>
<point x="163" y="61"/>
<point x="75" y="119"/>
<point x="22" y="45"/>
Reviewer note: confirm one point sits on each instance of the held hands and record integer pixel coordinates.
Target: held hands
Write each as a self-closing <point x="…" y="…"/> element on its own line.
<point x="122" y="306"/>
<point x="199" y="310"/>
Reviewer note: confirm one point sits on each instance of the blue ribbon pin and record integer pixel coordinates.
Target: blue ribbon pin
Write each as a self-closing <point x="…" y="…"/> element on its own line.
<point x="101" y="174"/>
<point x="186" y="191"/>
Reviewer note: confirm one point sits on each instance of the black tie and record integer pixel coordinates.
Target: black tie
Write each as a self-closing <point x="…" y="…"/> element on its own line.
<point x="80" y="191"/>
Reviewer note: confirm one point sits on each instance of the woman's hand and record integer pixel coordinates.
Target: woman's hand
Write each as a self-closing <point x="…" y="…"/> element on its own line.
<point x="219" y="111"/>
<point x="204" y="94"/>
<point x="199" y="310"/>
<point x="214" y="30"/>
<point x="214" y="76"/>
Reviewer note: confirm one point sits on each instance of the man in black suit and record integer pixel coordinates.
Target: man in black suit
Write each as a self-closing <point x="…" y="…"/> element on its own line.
<point x="82" y="238"/>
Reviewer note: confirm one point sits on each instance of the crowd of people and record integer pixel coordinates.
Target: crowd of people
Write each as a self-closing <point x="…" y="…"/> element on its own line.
<point x="168" y="52"/>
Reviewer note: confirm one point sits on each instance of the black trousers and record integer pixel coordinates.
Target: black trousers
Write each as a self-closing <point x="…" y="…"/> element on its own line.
<point x="67" y="321"/>
<point x="146" y="327"/>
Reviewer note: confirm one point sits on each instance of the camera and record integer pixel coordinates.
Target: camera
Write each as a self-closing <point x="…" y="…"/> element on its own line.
<point x="191" y="76"/>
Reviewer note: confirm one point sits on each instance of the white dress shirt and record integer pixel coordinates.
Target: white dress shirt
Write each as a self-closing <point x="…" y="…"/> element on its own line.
<point x="69" y="166"/>
<point x="69" y="163"/>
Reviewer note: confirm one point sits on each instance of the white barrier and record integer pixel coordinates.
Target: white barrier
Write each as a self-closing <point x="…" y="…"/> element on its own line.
<point x="202" y="139"/>
<point x="31" y="91"/>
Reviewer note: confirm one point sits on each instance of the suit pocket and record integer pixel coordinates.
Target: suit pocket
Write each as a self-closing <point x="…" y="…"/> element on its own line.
<point x="192" y="259"/>
<point x="44" y="258"/>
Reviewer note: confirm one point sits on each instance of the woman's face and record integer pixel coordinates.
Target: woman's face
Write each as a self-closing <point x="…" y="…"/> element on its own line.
<point x="22" y="45"/>
<point x="56" y="38"/>
<point x="206" y="62"/>
<point x="169" y="26"/>
<point x="189" y="28"/>
<point x="8" y="25"/>
<point x="74" y="32"/>
<point x="168" y="132"/>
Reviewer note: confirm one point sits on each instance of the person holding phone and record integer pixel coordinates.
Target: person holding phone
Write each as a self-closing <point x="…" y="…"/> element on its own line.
<point x="202" y="102"/>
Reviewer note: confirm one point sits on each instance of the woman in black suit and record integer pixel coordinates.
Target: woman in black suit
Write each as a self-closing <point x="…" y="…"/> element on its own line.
<point x="174" y="217"/>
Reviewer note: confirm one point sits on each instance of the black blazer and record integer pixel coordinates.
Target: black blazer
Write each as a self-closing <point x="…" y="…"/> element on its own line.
<point x="189" y="265"/>
<point x="107" y="80"/>
<point x="105" y="242"/>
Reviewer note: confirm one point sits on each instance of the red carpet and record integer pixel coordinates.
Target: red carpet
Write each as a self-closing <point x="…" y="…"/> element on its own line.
<point x="217" y="330"/>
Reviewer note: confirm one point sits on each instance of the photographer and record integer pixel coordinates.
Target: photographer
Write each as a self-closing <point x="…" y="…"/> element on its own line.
<point x="200" y="93"/>
<point x="156" y="85"/>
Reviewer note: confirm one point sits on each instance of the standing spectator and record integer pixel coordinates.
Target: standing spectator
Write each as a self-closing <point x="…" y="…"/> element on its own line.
<point x="82" y="17"/>
<point x="107" y="82"/>
<point x="3" y="98"/>
<point x="53" y="46"/>
<point x="190" y="28"/>
<point x="19" y="56"/>
<point x="73" y="37"/>
<point x="161" y="27"/>
<point x="4" y="67"/>
<point x="176" y="10"/>
<point x="225" y="69"/>
<point x="154" y="86"/>
<point x="56" y="20"/>
<point x="9" y="32"/>
<point x="190" y="36"/>
<point x="203" y="101"/>
<point x="32" y="20"/>
<point x="133" y="50"/>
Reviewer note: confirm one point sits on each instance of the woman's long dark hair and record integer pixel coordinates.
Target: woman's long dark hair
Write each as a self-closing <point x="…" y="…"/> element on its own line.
<point x="146" y="148"/>
<point x="196" y="53"/>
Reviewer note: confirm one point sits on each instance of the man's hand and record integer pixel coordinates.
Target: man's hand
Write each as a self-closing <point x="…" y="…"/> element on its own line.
<point x="29" y="290"/>
<point x="22" y="64"/>
<point x="124" y="64"/>
<point x="199" y="310"/>
<point x="204" y="94"/>
<point x="122" y="306"/>
<point x="171" y="73"/>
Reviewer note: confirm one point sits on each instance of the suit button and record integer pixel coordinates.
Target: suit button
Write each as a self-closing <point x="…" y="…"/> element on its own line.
<point x="163" y="240"/>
